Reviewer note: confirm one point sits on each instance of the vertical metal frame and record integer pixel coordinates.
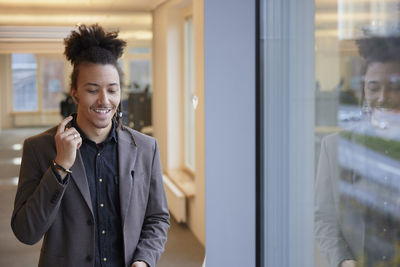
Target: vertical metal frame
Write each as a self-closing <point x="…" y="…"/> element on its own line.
<point x="285" y="131"/>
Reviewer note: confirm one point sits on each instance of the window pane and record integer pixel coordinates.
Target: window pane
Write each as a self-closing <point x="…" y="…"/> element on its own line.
<point x="140" y="50"/>
<point x="140" y="74"/>
<point x="52" y="76"/>
<point x="137" y="108"/>
<point x="190" y="99"/>
<point x="24" y="82"/>
<point x="357" y="214"/>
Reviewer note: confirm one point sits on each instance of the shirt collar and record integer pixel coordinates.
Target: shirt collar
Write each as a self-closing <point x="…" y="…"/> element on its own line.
<point x="112" y="136"/>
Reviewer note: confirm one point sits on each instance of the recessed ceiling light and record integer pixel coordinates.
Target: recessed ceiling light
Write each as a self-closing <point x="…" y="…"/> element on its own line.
<point x="17" y="147"/>
<point x="17" y="161"/>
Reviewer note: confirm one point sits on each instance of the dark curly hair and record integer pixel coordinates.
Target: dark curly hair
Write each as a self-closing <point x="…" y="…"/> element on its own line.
<point x="91" y="44"/>
<point x="379" y="49"/>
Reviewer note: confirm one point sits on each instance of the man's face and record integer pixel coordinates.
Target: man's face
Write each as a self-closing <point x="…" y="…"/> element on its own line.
<point x="97" y="95"/>
<point x="382" y="85"/>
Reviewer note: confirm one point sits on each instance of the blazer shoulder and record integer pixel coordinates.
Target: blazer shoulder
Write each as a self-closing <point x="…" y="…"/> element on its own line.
<point x="330" y="139"/>
<point x="142" y="140"/>
<point x="43" y="138"/>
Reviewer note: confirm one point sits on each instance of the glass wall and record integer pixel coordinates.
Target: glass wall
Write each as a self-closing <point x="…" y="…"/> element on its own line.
<point x="357" y="133"/>
<point x="329" y="129"/>
<point x="52" y="79"/>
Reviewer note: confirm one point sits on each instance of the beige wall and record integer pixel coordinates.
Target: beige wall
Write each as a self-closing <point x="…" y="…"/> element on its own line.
<point x="168" y="97"/>
<point x="5" y="92"/>
<point x="197" y="204"/>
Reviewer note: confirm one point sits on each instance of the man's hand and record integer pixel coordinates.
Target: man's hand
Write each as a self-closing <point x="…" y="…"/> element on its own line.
<point x="68" y="140"/>
<point x="348" y="263"/>
<point x="139" y="264"/>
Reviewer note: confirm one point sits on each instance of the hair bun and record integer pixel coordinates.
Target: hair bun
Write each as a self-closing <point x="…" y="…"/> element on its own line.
<point x="84" y="38"/>
<point x="379" y="49"/>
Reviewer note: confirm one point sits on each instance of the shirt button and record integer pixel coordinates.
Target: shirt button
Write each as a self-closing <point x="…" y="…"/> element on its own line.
<point x="89" y="258"/>
<point x="104" y="259"/>
<point x="385" y="203"/>
<point x="100" y="180"/>
<point x="383" y="257"/>
<point x="98" y="154"/>
<point x="101" y="205"/>
<point x="384" y="229"/>
<point x="103" y="232"/>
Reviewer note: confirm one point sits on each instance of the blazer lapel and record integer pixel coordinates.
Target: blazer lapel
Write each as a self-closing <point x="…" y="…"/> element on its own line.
<point x="79" y="176"/>
<point x="127" y="152"/>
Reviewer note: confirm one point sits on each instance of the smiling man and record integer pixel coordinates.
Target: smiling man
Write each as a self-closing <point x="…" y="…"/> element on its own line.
<point x="92" y="187"/>
<point x="357" y="220"/>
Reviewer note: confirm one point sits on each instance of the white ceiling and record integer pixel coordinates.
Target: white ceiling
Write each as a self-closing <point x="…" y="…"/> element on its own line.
<point x="81" y="5"/>
<point x="26" y="21"/>
<point x="349" y="18"/>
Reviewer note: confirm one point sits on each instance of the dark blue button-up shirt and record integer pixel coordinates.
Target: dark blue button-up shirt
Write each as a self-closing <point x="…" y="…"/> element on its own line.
<point x="101" y="165"/>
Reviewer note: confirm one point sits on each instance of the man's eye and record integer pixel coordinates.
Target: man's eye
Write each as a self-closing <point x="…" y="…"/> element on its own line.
<point x="91" y="91"/>
<point x="395" y="87"/>
<point x="373" y="88"/>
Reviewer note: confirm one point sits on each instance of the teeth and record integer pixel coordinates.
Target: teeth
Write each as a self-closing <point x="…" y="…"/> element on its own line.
<point x="102" y="111"/>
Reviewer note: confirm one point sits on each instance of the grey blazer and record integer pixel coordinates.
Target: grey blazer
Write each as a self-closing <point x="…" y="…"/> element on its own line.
<point x="63" y="213"/>
<point x="334" y="241"/>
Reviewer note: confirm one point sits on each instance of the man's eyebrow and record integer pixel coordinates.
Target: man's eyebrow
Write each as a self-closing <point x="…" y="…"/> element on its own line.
<point x="95" y="84"/>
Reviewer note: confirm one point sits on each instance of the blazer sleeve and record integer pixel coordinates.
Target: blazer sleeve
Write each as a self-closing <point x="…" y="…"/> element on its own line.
<point x="38" y="197"/>
<point x="156" y="221"/>
<point x="327" y="229"/>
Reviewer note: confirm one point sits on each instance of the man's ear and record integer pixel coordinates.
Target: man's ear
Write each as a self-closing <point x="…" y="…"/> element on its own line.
<point x="73" y="95"/>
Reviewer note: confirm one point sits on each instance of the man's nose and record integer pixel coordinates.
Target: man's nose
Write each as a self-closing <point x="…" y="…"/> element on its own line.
<point x="383" y="95"/>
<point x="103" y="97"/>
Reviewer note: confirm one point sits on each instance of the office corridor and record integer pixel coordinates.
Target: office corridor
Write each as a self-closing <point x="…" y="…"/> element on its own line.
<point x="182" y="248"/>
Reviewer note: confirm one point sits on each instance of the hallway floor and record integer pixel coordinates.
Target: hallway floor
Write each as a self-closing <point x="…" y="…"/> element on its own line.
<point x="182" y="248"/>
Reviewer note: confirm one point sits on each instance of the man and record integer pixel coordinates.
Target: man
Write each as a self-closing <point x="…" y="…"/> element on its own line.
<point x="91" y="186"/>
<point x="357" y="215"/>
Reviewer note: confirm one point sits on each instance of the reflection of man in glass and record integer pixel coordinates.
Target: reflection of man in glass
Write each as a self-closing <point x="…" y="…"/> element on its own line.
<point x="357" y="199"/>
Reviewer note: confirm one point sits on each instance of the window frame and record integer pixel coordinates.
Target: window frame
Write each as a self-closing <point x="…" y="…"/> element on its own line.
<point x="187" y="104"/>
<point x="285" y="133"/>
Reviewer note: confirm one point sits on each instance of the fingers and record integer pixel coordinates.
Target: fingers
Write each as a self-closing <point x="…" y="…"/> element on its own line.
<point x="73" y="136"/>
<point x="63" y="123"/>
<point x="79" y="143"/>
<point x="70" y="132"/>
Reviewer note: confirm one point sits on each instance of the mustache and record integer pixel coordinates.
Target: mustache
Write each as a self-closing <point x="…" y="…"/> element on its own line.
<point x="103" y="107"/>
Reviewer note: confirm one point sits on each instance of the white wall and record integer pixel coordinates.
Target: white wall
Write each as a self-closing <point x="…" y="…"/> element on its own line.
<point x="229" y="46"/>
